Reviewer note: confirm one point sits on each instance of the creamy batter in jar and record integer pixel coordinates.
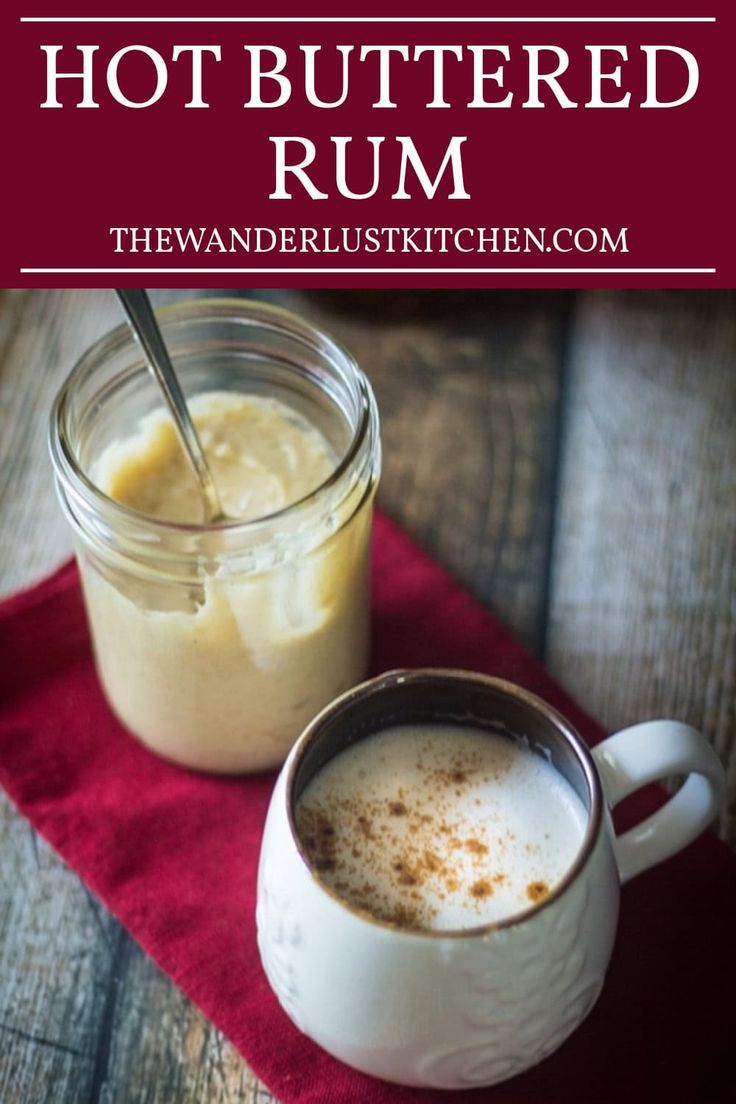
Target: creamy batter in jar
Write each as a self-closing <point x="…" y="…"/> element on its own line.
<point x="215" y="645"/>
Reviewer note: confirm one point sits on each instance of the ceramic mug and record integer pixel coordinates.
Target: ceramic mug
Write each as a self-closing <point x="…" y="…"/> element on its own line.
<point x="457" y="1009"/>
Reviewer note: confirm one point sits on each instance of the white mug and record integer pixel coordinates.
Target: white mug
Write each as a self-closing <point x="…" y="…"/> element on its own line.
<point x="459" y="1009"/>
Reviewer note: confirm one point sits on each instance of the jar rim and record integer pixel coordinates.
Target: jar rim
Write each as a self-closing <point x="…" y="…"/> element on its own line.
<point x="251" y="312"/>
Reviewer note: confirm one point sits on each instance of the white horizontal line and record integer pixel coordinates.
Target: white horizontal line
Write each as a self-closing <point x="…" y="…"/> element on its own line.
<point x="367" y="19"/>
<point x="369" y="271"/>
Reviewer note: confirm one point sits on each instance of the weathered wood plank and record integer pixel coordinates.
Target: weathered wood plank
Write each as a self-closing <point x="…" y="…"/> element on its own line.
<point x="642" y="616"/>
<point x="56" y="947"/>
<point x="42" y="335"/>
<point x="163" y="1049"/>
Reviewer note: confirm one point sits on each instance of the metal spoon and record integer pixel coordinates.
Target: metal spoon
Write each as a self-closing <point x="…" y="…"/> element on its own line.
<point x="137" y="307"/>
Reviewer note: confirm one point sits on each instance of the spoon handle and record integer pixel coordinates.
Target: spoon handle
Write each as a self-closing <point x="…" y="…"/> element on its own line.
<point x="137" y="307"/>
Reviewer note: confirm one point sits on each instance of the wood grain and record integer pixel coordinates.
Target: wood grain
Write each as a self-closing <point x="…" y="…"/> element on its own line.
<point x="163" y="1049"/>
<point x="642" y="617"/>
<point x="41" y="336"/>
<point x="55" y="960"/>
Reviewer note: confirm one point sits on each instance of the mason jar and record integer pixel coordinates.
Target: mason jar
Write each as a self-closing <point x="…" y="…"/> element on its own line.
<point x="216" y="644"/>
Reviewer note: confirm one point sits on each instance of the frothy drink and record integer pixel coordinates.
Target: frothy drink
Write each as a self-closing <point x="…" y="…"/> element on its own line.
<point x="440" y="827"/>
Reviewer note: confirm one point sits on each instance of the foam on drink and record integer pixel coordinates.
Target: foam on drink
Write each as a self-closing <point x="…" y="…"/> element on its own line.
<point x="440" y="827"/>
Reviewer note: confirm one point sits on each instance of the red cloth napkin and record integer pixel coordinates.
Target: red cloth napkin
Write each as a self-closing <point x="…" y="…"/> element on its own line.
<point x="174" y="856"/>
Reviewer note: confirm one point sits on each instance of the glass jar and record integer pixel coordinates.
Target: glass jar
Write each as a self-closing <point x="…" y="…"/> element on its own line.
<point x="215" y="645"/>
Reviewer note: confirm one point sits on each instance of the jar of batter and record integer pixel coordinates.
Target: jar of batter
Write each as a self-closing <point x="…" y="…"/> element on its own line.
<point x="216" y="644"/>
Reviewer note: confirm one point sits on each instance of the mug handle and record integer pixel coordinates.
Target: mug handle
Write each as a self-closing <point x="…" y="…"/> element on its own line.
<point x="649" y="752"/>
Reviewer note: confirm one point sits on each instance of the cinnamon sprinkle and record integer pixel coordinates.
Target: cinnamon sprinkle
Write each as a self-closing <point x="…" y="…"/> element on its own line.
<point x="398" y="855"/>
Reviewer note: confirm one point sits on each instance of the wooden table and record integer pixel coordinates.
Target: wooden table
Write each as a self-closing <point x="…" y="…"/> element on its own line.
<point x="569" y="456"/>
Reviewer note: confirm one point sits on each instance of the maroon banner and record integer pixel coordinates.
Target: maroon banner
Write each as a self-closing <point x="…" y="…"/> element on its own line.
<point x="467" y="147"/>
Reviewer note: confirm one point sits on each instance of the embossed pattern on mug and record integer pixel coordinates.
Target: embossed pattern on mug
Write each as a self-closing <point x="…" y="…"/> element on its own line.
<point x="508" y="1024"/>
<point x="276" y="916"/>
<point x="440" y="826"/>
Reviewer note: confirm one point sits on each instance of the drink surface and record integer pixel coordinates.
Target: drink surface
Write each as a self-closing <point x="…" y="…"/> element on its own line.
<point x="263" y="457"/>
<point x="440" y="827"/>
